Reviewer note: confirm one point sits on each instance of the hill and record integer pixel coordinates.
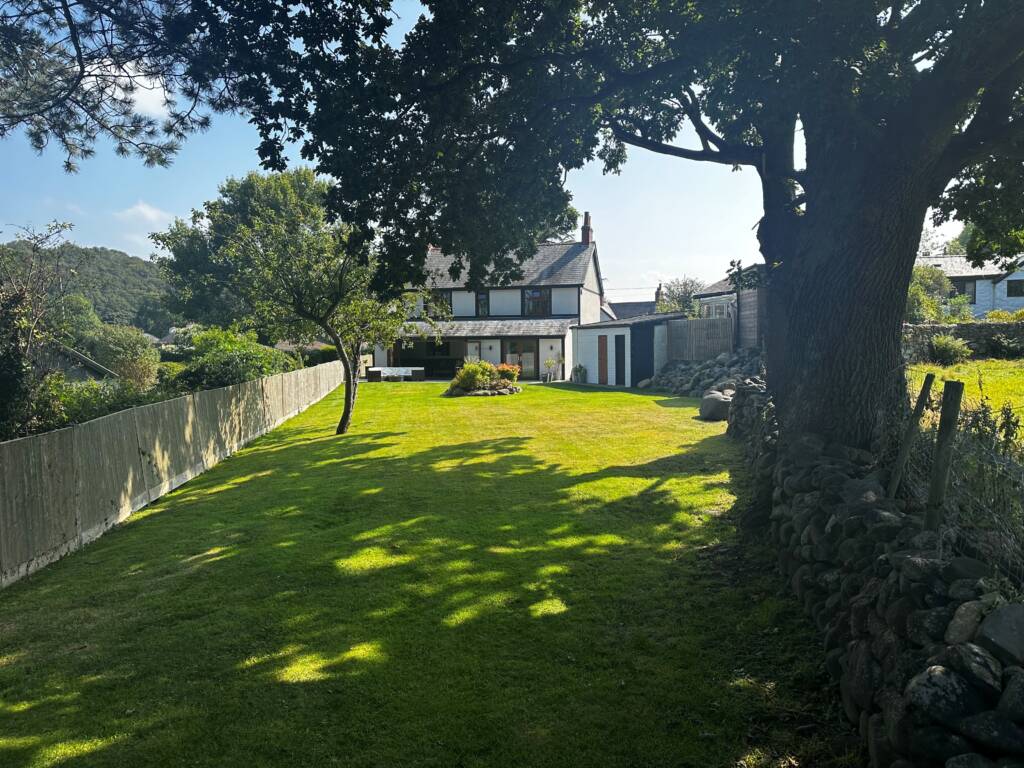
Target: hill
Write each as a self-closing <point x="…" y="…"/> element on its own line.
<point x="122" y="289"/>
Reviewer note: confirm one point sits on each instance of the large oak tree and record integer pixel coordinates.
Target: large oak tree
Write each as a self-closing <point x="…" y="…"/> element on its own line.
<point x="461" y="136"/>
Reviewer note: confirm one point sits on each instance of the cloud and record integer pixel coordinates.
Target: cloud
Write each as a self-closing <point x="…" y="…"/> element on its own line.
<point x="149" y="97"/>
<point x="144" y="213"/>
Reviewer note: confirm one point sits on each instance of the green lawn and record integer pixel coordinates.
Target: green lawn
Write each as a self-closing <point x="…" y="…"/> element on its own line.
<point x="1000" y="380"/>
<point x="539" y="580"/>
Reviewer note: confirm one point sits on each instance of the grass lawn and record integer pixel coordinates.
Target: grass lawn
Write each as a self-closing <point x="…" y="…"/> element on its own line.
<point x="1000" y="380"/>
<point x="539" y="580"/>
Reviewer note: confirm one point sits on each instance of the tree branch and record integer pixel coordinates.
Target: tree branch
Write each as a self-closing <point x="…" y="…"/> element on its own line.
<point x="728" y="156"/>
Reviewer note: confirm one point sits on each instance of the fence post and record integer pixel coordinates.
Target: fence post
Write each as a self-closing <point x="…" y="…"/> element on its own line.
<point x="952" y="394"/>
<point x="909" y="436"/>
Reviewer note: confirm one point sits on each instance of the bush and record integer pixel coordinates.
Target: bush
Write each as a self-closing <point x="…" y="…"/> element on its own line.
<point x="508" y="372"/>
<point x="1005" y="347"/>
<point x="475" y="375"/>
<point x="127" y="352"/>
<point x="999" y="316"/>
<point x="322" y="355"/>
<point x="167" y="373"/>
<point x="945" y="349"/>
<point x="60" y="402"/>
<point x="578" y="374"/>
<point x="223" y="357"/>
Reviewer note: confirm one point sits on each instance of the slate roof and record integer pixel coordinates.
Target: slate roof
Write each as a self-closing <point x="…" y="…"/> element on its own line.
<point x="653" y="317"/>
<point x="717" y="289"/>
<point x="486" y="328"/>
<point x="960" y="266"/>
<point x="553" y="264"/>
<point x="626" y="309"/>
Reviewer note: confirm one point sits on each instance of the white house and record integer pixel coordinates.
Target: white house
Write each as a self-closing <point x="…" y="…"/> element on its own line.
<point x="526" y="323"/>
<point x="988" y="286"/>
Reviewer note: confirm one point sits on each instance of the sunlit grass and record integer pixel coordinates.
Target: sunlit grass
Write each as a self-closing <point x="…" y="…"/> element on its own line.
<point x="548" y="579"/>
<point x="1000" y="381"/>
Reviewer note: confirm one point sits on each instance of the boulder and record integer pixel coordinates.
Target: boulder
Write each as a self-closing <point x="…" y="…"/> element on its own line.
<point x="965" y="622"/>
<point x="1002" y="633"/>
<point x="992" y="730"/>
<point x="714" y="406"/>
<point x="979" y="667"/>
<point x="970" y="760"/>
<point x="643" y="384"/>
<point x="1011" y="703"/>
<point x="943" y="695"/>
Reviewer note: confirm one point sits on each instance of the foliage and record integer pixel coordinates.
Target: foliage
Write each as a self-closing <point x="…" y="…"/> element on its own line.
<point x="76" y="322"/>
<point x="167" y="374"/>
<point x="508" y="371"/>
<point x="945" y="349"/>
<point x="127" y="352"/>
<point x="1000" y="381"/>
<point x="122" y="289"/>
<point x="1005" y="347"/>
<point x="223" y="357"/>
<point x="679" y="296"/>
<point x="60" y="402"/>
<point x="475" y="375"/>
<point x="15" y="368"/>
<point x="578" y="374"/>
<point x="931" y="298"/>
<point x="73" y="74"/>
<point x="1004" y="316"/>
<point x="320" y="355"/>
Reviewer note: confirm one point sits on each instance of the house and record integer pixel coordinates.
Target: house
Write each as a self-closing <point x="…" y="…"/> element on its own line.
<point x="622" y="352"/>
<point x="626" y="309"/>
<point x="526" y="323"/>
<point x="988" y="287"/>
<point x="748" y="306"/>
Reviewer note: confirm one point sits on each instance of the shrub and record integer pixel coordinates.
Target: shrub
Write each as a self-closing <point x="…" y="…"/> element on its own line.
<point x="475" y="375"/>
<point x="999" y="316"/>
<point x="578" y="375"/>
<point x="508" y="372"/>
<point x="168" y="373"/>
<point x="322" y="355"/>
<point x="1005" y="347"/>
<point x="60" y="402"/>
<point x="223" y="357"/>
<point x="127" y="352"/>
<point x="945" y="349"/>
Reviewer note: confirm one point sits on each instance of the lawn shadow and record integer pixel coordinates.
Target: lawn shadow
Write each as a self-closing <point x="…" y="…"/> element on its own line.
<point x="320" y="598"/>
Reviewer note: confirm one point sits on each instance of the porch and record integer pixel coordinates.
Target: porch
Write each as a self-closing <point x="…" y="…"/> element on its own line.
<point x="441" y="359"/>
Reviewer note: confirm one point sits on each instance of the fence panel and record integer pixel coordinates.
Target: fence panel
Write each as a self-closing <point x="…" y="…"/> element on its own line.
<point x="38" y="521"/>
<point x="111" y="483"/>
<point x="699" y="338"/>
<point x="169" y="443"/>
<point x="219" y="432"/>
<point x="249" y="405"/>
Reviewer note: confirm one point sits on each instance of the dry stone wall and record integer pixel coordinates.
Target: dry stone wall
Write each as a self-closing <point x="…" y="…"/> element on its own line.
<point x="927" y="652"/>
<point x="978" y="336"/>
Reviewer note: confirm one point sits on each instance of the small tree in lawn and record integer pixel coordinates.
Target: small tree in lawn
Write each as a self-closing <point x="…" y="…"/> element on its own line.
<point x="301" y="275"/>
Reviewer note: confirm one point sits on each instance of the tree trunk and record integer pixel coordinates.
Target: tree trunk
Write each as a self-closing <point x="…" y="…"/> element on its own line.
<point x="835" y="365"/>
<point x="351" y="380"/>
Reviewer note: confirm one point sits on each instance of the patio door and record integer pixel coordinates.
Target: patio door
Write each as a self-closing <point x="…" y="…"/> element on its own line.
<point x="522" y="352"/>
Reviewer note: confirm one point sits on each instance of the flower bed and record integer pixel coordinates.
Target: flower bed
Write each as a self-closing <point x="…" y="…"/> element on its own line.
<point x="482" y="379"/>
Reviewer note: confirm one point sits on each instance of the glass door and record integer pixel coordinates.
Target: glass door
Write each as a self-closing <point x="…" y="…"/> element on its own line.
<point x="522" y="352"/>
<point x="472" y="351"/>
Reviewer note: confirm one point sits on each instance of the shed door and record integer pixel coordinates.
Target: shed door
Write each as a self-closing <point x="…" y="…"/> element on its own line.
<point x="620" y="360"/>
<point x="602" y="359"/>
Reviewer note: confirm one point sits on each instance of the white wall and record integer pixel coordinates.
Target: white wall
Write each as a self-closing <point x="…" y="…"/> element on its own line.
<point x="490" y="350"/>
<point x="585" y="351"/>
<point x="550" y="349"/>
<point x="506" y="302"/>
<point x="463" y="303"/>
<point x="590" y="297"/>
<point x="1001" y="300"/>
<point x="380" y="356"/>
<point x="565" y="301"/>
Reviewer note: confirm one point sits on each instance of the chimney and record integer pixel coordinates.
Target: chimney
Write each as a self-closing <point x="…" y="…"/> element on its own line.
<point x="658" y="294"/>
<point x="588" y="231"/>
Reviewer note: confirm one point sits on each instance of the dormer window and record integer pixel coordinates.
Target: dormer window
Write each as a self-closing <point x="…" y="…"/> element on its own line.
<point x="536" y="302"/>
<point x="441" y="298"/>
<point x="483" y="303"/>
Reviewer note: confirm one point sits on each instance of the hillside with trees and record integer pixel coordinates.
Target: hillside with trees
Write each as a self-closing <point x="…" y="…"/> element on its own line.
<point x="123" y="289"/>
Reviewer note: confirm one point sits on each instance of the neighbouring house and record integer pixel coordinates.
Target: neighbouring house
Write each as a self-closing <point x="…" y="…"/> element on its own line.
<point x="988" y="287"/>
<point x="623" y="352"/>
<point x="73" y="364"/>
<point x="626" y="309"/>
<point x="525" y="323"/>
<point x="748" y="306"/>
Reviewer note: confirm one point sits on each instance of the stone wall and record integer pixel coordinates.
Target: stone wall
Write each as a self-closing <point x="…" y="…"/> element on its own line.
<point x="977" y="335"/>
<point x="926" y="651"/>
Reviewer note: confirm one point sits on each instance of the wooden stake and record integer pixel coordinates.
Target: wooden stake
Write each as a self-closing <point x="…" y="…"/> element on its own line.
<point x="909" y="436"/>
<point x="952" y="395"/>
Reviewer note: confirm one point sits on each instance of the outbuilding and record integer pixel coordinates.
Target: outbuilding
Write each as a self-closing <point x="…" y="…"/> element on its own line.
<point x="622" y="353"/>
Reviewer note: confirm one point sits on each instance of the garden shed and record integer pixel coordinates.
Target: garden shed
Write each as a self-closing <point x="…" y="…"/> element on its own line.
<point x="622" y="353"/>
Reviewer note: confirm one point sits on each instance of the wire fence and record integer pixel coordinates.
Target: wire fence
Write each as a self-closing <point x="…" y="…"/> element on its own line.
<point x="982" y="512"/>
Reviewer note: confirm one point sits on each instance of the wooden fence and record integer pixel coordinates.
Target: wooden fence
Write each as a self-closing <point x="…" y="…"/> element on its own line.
<point x="700" y="338"/>
<point x="62" y="489"/>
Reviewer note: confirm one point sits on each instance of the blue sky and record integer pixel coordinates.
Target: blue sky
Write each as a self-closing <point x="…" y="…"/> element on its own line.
<point x="660" y="218"/>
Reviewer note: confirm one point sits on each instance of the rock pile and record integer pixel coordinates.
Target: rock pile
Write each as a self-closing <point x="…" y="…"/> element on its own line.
<point x="929" y="656"/>
<point x="511" y="389"/>
<point x="723" y="373"/>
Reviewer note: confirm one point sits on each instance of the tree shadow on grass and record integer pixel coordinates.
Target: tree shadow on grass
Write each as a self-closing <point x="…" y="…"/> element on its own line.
<point x="324" y="600"/>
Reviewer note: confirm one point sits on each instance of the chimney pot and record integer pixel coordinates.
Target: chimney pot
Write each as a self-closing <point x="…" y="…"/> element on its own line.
<point x="587" y="233"/>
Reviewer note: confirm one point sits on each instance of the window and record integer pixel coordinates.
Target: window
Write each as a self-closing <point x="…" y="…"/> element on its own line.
<point x="967" y="288"/>
<point x="1015" y="288"/>
<point x="483" y="303"/>
<point x="441" y="298"/>
<point x="537" y="302"/>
